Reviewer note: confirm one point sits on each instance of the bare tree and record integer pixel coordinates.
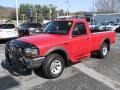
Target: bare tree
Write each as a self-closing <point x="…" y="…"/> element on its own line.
<point x="107" y="6"/>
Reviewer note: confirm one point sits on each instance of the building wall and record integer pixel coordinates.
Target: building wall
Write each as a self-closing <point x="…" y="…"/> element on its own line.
<point x="107" y="18"/>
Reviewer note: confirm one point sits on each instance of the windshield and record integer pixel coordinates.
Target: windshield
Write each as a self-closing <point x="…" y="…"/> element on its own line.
<point x="7" y="26"/>
<point x="58" y="27"/>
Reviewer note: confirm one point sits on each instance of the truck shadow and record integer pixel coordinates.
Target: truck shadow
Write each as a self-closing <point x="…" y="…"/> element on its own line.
<point x="13" y="70"/>
<point x="95" y="55"/>
<point x="8" y="82"/>
<point x="39" y="73"/>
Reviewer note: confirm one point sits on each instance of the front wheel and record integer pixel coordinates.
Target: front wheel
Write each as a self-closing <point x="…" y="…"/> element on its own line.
<point x="103" y="50"/>
<point x="53" y="65"/>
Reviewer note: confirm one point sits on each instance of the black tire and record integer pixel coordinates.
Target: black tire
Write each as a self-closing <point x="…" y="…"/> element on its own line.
<point x="103" y="50"/>
<point x="47" y="64"/>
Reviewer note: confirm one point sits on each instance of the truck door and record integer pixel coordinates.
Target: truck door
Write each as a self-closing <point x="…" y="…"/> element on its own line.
<point x="80" y="41"/>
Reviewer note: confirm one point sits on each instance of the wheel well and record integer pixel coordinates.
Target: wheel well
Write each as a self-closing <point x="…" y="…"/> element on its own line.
<point x="63" y="54"/>
<point x="108" y="42"/>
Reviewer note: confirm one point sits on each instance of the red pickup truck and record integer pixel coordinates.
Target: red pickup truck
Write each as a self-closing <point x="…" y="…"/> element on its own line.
<point x="61" y="42"/>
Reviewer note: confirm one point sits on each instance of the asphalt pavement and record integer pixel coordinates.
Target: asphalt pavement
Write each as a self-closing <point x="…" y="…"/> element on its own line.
<point x="90" y="74"/>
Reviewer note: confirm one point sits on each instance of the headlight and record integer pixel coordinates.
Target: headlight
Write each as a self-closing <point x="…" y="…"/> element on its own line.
<point x="31" y="52"/>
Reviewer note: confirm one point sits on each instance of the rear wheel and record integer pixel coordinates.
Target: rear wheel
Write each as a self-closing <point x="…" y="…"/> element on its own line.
<point x="53" y="65"/>
<point x="103" y="50"/>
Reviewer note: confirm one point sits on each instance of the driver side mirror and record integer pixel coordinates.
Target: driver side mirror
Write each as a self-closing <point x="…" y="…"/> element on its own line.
<point x="75" y="33"/>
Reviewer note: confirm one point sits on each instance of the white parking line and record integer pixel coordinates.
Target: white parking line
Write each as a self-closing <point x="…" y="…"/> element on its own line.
<point x="98" y="76"/>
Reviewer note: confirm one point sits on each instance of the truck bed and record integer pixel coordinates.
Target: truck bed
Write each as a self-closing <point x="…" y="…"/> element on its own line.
<point x="98" y="37"/>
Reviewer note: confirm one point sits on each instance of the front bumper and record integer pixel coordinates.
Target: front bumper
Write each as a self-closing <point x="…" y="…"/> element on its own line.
<point x="33" y="63"/>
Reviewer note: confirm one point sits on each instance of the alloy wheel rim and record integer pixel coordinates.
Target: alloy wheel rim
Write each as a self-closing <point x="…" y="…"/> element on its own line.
<point x="105" y="50"/>
<point x="55" y="67"/>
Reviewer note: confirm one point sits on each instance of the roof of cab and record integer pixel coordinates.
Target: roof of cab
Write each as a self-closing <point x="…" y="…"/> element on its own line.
<point x="73" y="20"/>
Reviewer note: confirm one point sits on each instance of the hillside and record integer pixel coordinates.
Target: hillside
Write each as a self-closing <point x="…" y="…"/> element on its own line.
<point x="6" y="11"/>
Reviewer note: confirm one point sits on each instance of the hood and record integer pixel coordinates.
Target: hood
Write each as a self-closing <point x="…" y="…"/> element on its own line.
<point x="44" y="39"/>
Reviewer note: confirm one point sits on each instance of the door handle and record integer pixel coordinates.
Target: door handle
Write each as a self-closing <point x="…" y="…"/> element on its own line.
<point x="88" y="38"/>
<point x="66" y="43"/>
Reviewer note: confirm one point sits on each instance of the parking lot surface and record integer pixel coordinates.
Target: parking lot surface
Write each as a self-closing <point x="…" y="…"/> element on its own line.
<point x="90" y="74"/>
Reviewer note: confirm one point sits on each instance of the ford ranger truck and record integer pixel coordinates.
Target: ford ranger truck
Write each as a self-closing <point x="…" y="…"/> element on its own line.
<point x="61" y="42"/>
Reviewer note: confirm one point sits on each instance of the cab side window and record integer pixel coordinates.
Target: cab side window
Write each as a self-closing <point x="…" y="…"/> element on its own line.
<point x="79" y="29"/>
